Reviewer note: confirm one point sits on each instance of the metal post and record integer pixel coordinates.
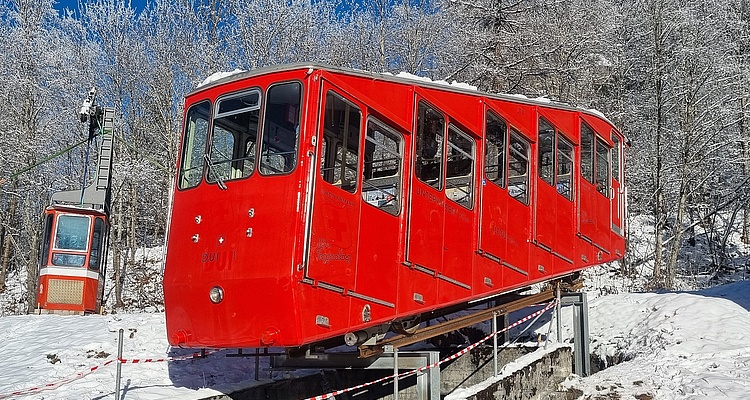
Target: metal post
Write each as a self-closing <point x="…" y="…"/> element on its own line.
<point x="119" y="365"/>
<point x="257" y="362"/>
<point x="494" y="342"/>
<point x="558" y="313"/>
<point x="395" y="373"/>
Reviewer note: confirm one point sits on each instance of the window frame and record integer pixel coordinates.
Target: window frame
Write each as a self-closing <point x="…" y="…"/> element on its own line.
<point x="341" y="151"/>
<point x="520" y="138"/>
<point x="419" y="148"/>
<point x="398" y="177"/>
<point x="264" y="134"/>
<point x="502" y="153"/>
<point x="187" y="150"/>
<point x="453" y="128"/>
<point x="234" y="160"/>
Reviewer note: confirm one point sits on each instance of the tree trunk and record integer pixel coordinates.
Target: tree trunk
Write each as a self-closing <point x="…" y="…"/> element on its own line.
<point x="745" y="169"/>
<point x="117" y="263"/>
<point x="6" y="242"/>
<point x="32" y="265"/>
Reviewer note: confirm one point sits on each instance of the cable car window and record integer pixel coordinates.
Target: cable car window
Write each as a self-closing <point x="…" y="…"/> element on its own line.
<point x="383" y="154"/>
<point x="429" y="159"/>
<point x="46" y="241"/>
<point x="96" y="244"/>
<point x="564" y="167"/>
<point x="72" y="234"/>
<point x="546" y="148"/>
<point x="602" y="167"/>
<point x="459" y="177"/>
<point x="616" y="158"/>
<point x="194" y="145"/>
<point x="496" y="131"/>
<point x="281" y="128"/>
<point x="587" y="153"/>
<point x="234" y="137"/>
<point x="341" y="127"/>
<point x="518" y="167"/>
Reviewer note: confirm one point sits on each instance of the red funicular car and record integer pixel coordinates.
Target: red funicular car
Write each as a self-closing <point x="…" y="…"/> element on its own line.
<point x="312" y="202"/>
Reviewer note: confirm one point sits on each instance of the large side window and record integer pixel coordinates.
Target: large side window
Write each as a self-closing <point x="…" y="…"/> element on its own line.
<point x="429" y="159"/>
<point x="194" y="145"/>
<point x="587" y="153"/>
<point x="518" y="167"/>
<point x="281" y="128"/>
<point x="602" y="167"/>
<point x="341" y="127"/>
<point x="234" y="136"/>
<point x="496" y="131"/>
<point x="546" y="147"/>
<point x="71" y="235"/>
<point x="459" y="177"/>
<point x="381" y="181"/>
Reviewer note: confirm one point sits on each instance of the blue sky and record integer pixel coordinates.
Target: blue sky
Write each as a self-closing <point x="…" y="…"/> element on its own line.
<point x="73" y="4"/>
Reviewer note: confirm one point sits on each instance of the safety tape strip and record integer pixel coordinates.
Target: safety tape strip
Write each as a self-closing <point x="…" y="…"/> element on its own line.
<point x="79" y="375"/>
<point x="434" y="365"/>
<point x="54" y="385"/>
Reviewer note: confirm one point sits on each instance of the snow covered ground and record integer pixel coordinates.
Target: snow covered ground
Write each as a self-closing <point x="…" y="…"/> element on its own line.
<point x="674" y="345"/>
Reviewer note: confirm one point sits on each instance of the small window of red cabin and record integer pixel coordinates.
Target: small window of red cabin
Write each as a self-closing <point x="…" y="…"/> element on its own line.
<point x="555" y="158"/>
<point x="71" y="240"/>
<point x="234" y="136"/>
<point x="496" y="132"/>
<point x="383" y="158"/>
<point x="518" y="167"/>
<point x="459" y="177"/>
<point x="429" y="159"/>
<point x="194" y="145"/>
<point x="595" y="160"/>
<point x="340" y="148"/>
<point x="281" y="128"/>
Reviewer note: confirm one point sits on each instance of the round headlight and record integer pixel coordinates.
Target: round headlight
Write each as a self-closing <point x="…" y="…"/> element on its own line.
<point x="216" y="294"/>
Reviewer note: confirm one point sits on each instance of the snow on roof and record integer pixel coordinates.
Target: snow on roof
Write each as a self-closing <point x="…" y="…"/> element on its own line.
<point x="219" y="75"/>
<point x="455" y="84"/>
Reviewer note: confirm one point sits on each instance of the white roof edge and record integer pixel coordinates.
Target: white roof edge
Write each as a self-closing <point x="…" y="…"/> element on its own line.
<point x="400" y="78"/>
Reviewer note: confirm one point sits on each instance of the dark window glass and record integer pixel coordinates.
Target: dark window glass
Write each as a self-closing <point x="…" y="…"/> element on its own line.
<point x="234" y="137"/>
<point x="341" y="127"/>
<point x="587" y="153"/>
<point x="429" y="159"/>
<point x="546" y="147"/>
<point x="281" y="128"/>
<point x="459" y="177"/>
<point x="494" y="151"/>
<point x="518" y="167"/>
<point x="565" y="167"/>
<point x="46" y="241"/>
<point x="381" y="182"/>
<point x="72" y="232"/>
<point x="602" y="167"/>
<point x="616" y="158"/>
<point x="194" y="145"/>
<point x="96" y="244"/>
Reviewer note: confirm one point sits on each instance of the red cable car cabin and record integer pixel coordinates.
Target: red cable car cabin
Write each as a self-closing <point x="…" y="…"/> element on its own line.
<point x="312" y="202"/>
<point x="72" y="262"/>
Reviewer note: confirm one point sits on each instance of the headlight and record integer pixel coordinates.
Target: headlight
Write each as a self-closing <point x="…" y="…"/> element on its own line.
<point x="216" y="294"/>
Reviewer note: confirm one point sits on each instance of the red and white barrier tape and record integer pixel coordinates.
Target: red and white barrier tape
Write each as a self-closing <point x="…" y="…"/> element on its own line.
<point x="452" y="357"/>
<point x="56" y="384"/>
<point x="79" y="375"/>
